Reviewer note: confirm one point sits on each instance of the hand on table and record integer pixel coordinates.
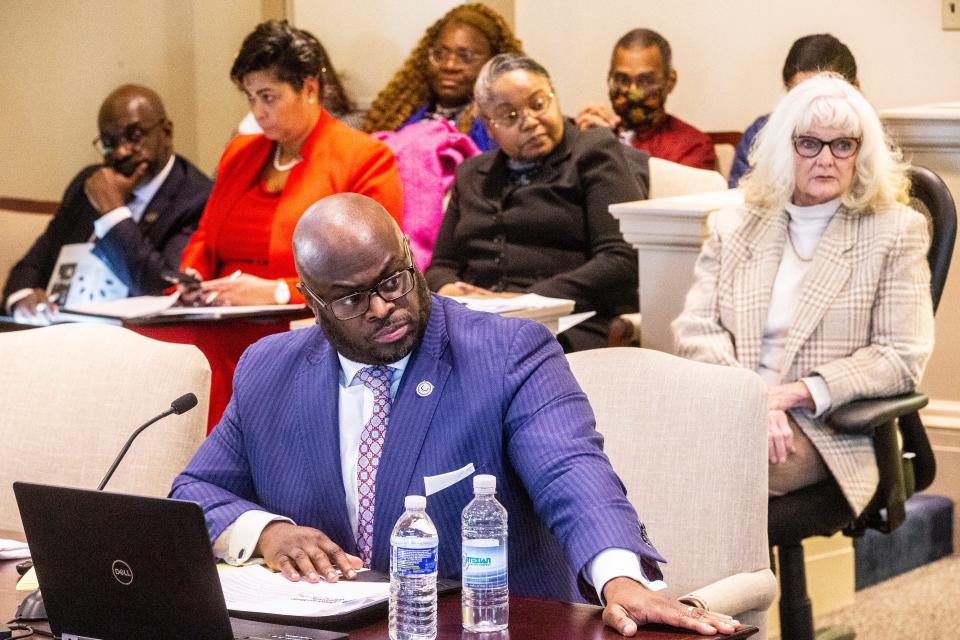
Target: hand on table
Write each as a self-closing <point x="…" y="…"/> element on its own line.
<point x="630" y="604"/>
<point x="597" y="115"/>
<point x="238" y="289"/>
<point x="35" y="308"/>
<point x="303" y="551"/>
<point x="107" y="189"/>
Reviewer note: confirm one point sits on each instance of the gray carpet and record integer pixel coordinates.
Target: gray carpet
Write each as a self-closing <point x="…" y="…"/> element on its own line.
<point x="920" y="604"/>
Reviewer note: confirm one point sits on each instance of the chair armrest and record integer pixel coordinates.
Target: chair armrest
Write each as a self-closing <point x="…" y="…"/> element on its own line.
<point x="733" y="595"/>
<point x="863" y="416"/>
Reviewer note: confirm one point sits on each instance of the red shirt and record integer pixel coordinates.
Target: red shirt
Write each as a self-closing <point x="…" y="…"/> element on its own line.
<point x="677" y="141"/>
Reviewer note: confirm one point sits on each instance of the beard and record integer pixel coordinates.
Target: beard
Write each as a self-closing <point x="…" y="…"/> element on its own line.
<point x="361" y="348"/>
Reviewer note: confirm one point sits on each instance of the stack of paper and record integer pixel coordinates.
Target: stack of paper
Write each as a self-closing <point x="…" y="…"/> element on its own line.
<point x="255" y="588"/>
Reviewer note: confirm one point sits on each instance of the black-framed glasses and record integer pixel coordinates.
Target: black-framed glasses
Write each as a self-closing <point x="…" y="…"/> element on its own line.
<point x="438" y="56"/>
<point x="507" y="116"/>
<point x="624" y="82"/>
<point x="840" y="148"/>
<point x="391" y="288"/>
<point x="133" y="134"/>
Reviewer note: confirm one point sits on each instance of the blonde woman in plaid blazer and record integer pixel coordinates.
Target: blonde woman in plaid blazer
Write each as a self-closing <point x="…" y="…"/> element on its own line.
<point x="819" y="283"/>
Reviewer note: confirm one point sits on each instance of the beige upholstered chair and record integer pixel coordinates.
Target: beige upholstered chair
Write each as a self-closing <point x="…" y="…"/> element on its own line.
<point x="70" y="396"/>
<point x="689" y="441"/>
<point x="673" y="179"/>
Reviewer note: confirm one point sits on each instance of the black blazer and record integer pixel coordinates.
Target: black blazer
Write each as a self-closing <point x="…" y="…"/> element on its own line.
<point x="138" y="253"/>
<point x="553" y="236"/>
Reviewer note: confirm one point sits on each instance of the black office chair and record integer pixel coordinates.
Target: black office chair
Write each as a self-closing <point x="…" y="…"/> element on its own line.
<point x="821" y="509"/>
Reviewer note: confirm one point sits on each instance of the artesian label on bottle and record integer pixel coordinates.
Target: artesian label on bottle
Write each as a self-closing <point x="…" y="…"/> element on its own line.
<point x="411" y="557"/>
<point x="484" y="564"/>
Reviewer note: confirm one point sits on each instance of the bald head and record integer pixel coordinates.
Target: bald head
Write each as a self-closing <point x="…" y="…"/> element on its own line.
<point x="359" y="279"/>
<point x="129" y="97"/>
<point x="134" y="129"/>
<point x="338" y="236"/>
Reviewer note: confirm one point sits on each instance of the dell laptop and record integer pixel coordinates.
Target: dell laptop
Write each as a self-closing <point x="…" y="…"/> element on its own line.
<point x="115" y="566"/>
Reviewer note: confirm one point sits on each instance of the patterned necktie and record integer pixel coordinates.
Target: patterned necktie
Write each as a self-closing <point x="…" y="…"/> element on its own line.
<point x="378" y="380"/>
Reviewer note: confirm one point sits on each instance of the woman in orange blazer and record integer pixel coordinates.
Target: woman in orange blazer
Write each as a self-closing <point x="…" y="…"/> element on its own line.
<point x="241" y="249"/>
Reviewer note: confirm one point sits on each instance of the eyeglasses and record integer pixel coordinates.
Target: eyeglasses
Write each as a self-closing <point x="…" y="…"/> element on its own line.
<point x="507" y="116"/>
<point x="355" y="304"/>
<point x="840" y="148"/>
<point x="624" y="82"/>
<point x="133" y="134"/>
<point x="439" y="56"/>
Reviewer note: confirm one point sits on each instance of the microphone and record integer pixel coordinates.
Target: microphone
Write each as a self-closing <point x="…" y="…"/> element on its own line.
<point x="181" y="405"/>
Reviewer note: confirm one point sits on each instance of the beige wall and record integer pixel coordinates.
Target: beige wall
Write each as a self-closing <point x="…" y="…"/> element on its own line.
<point x="60" y="58"/>
<point x="368" y="40"/>
<point x="729" y="54"/>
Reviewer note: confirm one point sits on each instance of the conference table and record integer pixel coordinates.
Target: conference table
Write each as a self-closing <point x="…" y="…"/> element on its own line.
<point x="530" y="618"/>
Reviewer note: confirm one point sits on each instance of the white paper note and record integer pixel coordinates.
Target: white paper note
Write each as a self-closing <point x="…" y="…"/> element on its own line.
<point x="256" y="588"/>
<point x="432" y="484"/>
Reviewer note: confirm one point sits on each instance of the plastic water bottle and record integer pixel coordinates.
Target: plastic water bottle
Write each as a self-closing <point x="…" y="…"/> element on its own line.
<point x="413" y="574"/>
<point x="485" y="595"/>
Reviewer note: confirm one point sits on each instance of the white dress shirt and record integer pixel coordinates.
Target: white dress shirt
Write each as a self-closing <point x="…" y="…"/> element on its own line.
<point x="238" y="541"/>
<point x="805" y="228"/>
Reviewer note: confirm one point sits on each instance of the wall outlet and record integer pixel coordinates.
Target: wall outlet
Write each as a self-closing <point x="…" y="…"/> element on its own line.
<point x="951" y="15"/>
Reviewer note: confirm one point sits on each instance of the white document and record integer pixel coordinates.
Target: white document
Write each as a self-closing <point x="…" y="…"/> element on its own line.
<point x="128" y="307"/>
<point x="432" y="484"/>
<point x="255" y="588"/>
<point x="504" y="305"/>
<point x="572" y="320"/>
<point x="13" y="550"/>
<point x="164" y="306"/>
<point x="80" y="277"/>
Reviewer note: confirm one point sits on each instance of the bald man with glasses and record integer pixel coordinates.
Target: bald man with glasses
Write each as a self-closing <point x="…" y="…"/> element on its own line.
<point x="399" y="392"/>
<point x="138" y="208"/>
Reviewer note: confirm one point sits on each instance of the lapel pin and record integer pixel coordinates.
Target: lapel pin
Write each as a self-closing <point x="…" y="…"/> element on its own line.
<point x="151" y="217"/>
<point x="424" y="389"/>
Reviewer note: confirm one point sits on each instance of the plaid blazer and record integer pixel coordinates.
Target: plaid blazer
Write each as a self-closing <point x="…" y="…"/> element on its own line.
<point x="864" y="321"/>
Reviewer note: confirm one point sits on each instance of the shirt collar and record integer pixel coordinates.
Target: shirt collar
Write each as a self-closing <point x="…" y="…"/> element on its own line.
<point x="145" y="192"/>
<point x="349" y="368"/>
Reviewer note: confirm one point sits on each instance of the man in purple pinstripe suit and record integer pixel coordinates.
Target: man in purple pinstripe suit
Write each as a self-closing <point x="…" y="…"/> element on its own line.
<point x="278" y="477"/>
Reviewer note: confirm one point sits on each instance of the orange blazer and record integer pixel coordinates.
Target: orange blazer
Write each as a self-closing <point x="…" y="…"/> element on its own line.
<point x="336" y="159"/>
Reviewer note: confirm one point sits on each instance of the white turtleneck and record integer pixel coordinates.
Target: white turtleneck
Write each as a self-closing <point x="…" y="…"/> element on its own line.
<point x="806" y="227"/>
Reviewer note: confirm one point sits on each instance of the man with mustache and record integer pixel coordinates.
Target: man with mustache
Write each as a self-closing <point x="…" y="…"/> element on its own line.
<point x="138" y="208"/>
<point x="330" y="427"/>
<point x="640" y="79"/>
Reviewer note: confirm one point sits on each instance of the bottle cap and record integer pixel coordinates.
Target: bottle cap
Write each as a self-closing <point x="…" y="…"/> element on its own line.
<point x="485" y="483"/>
<point x="415" y="503"/>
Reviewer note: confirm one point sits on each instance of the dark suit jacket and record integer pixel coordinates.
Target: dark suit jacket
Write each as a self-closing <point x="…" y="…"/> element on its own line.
<point x="553" y="236"/>
<point x="137" y="253"/>
<point x="502" y="397"/>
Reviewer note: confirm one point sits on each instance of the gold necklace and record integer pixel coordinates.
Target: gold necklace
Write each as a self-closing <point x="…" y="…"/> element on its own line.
<point x="794" y="247"/>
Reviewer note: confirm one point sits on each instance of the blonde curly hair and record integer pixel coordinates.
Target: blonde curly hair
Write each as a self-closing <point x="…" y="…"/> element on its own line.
<point x="409" y="88"/>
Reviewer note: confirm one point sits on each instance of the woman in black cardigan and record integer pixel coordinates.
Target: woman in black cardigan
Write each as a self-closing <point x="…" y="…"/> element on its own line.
<point x="532" y="217"/>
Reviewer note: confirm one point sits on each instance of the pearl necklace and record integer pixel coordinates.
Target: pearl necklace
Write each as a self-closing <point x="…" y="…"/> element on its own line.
<point x="284" y="167"/>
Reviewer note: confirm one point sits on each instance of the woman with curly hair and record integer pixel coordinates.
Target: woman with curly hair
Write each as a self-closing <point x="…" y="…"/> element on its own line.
<point x="436" y="80"/>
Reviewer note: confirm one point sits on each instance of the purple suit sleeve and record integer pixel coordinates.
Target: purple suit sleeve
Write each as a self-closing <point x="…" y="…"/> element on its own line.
<point x="556" y="450"/>
<point x="218" y="477"/>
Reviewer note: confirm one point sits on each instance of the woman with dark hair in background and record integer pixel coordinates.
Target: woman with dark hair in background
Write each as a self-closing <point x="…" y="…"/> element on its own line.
<point x="333" y="96"/>
<point x="533" y="216"/>
<point x="242" y="249"/>
<point x="807" y="57"/>
<point x="436" y="80"/>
